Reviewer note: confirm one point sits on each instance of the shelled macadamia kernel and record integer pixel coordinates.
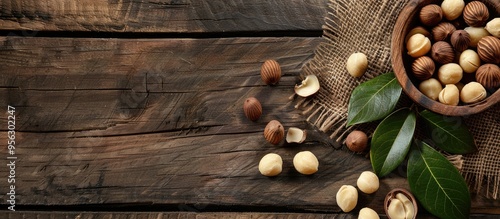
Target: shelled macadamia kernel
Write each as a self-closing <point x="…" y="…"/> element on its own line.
<point x="270" y="165"/>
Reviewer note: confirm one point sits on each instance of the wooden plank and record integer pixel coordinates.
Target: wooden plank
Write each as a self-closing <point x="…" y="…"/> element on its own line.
<point x="166" y="215"/>
<point x="186" y="215"/>
<point x="159" y="122"/>
<point x="173" y="16"/>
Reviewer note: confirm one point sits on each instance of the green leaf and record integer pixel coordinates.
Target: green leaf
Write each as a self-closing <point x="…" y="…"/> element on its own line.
<point x="391" y="141"/>
<point x="373" y="99"/>
<point x="436" y="183"/>
<point x="448" y="133"/>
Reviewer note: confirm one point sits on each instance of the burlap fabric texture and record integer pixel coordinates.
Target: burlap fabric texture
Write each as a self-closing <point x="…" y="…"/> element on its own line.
<point x="366" y="26"/>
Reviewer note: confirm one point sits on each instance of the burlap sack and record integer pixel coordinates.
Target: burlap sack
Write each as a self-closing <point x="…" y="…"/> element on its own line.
<point x="366" y="26"/>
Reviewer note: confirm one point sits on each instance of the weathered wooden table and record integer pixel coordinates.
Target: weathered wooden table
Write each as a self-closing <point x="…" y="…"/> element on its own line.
<point x="133" y="109"/>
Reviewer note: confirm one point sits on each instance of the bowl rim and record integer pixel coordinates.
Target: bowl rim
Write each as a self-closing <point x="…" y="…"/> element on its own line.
<point x="401" y="28"/>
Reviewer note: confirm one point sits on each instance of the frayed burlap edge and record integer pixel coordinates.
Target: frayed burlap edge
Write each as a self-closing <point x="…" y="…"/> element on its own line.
<point x="366" y="26"/>
<point x="482" y="169"/>
<point x="350" y="26"/>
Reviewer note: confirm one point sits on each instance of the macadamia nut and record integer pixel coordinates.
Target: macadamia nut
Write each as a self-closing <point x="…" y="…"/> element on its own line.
<point x="270" y="165"/>
<point x="430" y="88"/>
<point x="400" y="203"/>
<point x="357" y="141"/>
<point x="418" y="45"/>
<point x="305" y="162"/>
<point x="493" y="27"/>
<point x="469" y="61"/>
<point x="416" y="30"/>
<point x="452" y="9"/>
<point x="407" y="205"/>
<point x="472" y="92"/>
<point x="368" y="182"/>
<point x="367" y="213"/>
<point x="450" y="95"/>
<point x="309" y="86"/>
<point x="396" y="209"/>
<point x="476" y="34"/>
<point x="347" y="198"/>
<point x="357" y="64"/>
<point x="450" y="73"/>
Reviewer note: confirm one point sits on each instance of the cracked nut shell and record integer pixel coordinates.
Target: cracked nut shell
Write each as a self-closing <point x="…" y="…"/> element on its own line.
<point x="476" y="14"/>
<point x="309" y="86"/>
<point x="488" y="75"/>
<point x="274" y="132"/>
<point x="405" y="202"/>
<point x="252" y="108"/>
<point x="295" y="135"/>
<point x="270" y="72"/>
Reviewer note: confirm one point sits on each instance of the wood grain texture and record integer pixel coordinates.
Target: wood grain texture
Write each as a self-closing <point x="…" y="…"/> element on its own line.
<point x="187" y="215"/>
<point x="160" y="123"/>
<point x="161" y="15"/>
<point x="168" y="215"/>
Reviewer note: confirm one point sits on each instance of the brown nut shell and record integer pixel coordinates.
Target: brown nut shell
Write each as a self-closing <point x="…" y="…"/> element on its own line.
<point x="357" y="141"/>
<point x="476" y="14"/>
<point x="252" y="108"/>
<point x="442" y="52"/>
<point x="274" y="132"/>
<point x="392" y="195"/>
<point x="460" y="40"/>
<point x="423" y="68"/>
<point x="270" y="72"/>
<point x="488" y="49"/>
<point x="431" y="15"/>
<point x="488" y="75"/>
<point x="443" y="31"/>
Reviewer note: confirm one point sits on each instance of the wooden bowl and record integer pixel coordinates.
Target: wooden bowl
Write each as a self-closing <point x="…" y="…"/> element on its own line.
<point x="401" y="61"/>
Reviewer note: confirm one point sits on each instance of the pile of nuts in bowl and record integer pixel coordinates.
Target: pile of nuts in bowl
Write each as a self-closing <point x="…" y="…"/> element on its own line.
<point x="446" y="57"/>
